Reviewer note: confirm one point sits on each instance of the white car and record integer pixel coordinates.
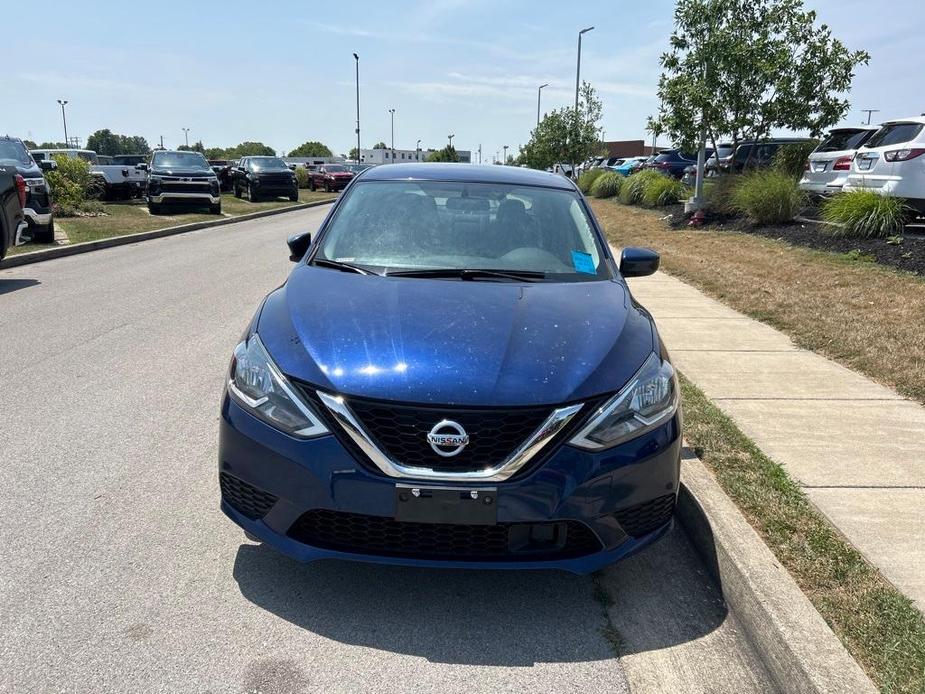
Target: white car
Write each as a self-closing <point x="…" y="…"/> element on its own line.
<point x="891" y="162"/>
<point x="829" y="165"/>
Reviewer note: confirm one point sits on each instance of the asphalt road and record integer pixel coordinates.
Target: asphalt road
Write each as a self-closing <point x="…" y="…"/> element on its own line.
<point x="118" y="573"/>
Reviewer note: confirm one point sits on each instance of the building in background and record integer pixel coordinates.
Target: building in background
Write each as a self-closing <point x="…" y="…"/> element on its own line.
<point x="629" y="148"/>
<point x="405" y="156"/>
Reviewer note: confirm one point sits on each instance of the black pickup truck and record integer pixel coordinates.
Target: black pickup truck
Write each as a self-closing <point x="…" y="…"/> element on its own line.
<point x="38" y="206"/>
<point x="176" y="178"/>
<point x="12" y="199"/>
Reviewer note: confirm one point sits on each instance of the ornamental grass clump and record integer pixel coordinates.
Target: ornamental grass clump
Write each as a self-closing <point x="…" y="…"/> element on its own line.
<point x="634" y="186"/>
<point x="865" y="214"/>
<point x="607" y="185"/>
<point x="768" y="197"/>
<point x="662" y="191"/>
<point x="587" y="179"/>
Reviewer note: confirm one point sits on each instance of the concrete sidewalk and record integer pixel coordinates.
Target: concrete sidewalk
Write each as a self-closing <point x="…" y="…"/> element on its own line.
<point x="856" y="447"/>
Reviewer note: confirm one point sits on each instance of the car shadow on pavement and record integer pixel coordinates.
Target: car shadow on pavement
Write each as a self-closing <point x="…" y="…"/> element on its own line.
<point x="7" y="286"/>
<point x="499" y="618"/>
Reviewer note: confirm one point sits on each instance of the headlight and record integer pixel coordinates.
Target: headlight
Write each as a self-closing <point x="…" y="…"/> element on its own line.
<point x="258" y="385"/>
<point x="649" y="400"/>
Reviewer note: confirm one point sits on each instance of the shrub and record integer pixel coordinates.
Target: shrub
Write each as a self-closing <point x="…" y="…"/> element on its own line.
<point x="768" y="197"/>
<point x="587" y="179"/>
<point x="302" y="177"/>
<point x="662" y="191"/>
<point x="791" y="159"/>
<point x="71" y="182"/>
<point x="719" y="192"/>
<point x="606" y="186"/>
<point x="633" y="187"/>
<point x="864" y="213"/>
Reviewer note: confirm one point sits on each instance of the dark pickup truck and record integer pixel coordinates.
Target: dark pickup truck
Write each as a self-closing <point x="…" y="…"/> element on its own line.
<point x="12" y="199"/>
<point x="330" y="177"/>
<point x="176" y="178"/>
<point x="264" y="177"/>
<point x="37" y="210"/>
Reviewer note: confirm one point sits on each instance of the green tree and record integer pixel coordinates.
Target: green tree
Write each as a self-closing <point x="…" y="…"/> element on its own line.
<point x="352" y="154"/>
<point x="380" y="145"/>
<point x="52" y="145"/>
<point x="312" y="148"/>
<point x="740" y="68"/>
<point x="448" y="153"/>
<point x="30" y="144"/>
<point x="109" y="143"/>
<point x="217" y="153"/>
<point x="564" y="136"/>
<point x="250" y="149"/>
<point x="195" y="147"/>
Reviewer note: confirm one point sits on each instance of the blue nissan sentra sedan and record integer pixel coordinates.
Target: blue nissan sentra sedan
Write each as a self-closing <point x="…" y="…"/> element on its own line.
<point x="455" y="374"/>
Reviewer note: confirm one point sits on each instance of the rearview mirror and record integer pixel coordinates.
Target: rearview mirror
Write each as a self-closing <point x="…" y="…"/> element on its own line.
<point x="298" y="245"/>
<point x="638" y="262"/>
<point x="48" y="165"/>
<point x="141" y="167"/>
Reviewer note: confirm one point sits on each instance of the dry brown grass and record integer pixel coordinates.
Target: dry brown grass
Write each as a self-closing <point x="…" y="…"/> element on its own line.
<point x="867" y="317"/>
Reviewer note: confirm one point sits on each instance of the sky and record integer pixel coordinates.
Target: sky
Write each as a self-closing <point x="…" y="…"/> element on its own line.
<point x="282" y="72"/>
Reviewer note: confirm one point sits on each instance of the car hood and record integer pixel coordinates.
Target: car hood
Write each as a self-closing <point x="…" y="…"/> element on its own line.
<point x="186" y="173"/>
<point x="454" y="342"/>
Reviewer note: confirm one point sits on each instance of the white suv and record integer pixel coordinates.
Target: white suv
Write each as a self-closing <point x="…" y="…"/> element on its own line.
<point x="891" y="162"/>
<point x="829" y="165"/>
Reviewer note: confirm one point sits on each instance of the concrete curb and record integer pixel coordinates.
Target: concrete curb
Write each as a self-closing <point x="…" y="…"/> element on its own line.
<point x="798" y="648"/>
<point x="87" y="246"/>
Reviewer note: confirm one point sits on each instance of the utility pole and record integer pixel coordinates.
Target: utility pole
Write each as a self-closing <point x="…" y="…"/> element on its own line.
<point x="578" y="67"/>
<point x="450" y="138"/>
<point x="417" y="151"/>
<point x="504" y="161"/>
<point x="357" y="59"/>
<point x="186" y="135"/>
<point x="392" y="112"/>
<point x="162" y="142"/>
<point x="480" y="153"/>
<point x="63" y="103"/>
<point x="868" y="111"/>
<point x="539" y="92"/>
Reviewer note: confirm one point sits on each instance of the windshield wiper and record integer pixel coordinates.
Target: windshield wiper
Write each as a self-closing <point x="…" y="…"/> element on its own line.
<point x="343" y="267"/>
<point x="472" y="274"/>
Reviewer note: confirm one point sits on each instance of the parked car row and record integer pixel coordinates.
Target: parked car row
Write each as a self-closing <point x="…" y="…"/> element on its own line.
<point x="116" y="176"/>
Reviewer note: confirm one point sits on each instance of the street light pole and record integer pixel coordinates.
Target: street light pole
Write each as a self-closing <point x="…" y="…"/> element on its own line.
<point x="392" y="112"/>
<point x="868" y="111"/>
<point x="578" y="67"/>
<point x="357" y="59"/>
<point x="450" y="138"/>
<point x="186" y="135"/>
<point x="63" y="103"/>
<point x="538" y="93"/>
<point x="417" y="151"/>
<point x="480" y="153"/>
<point x="504" y="161"/>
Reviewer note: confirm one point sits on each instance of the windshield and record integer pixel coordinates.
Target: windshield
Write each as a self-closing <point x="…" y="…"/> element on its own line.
<point x="895" y="134"/>
<point x="334" y="168"/>
<point x="450" y="225"/>
<point x="13" y="153"/>
<point x="179" y="160"/>
<point x="840" y="140"/>
<point x="266" y="164"/>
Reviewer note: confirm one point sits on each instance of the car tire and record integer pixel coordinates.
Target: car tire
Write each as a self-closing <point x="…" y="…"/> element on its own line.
<point x="154" y="208"/>
<point x="327" y="187"/>
<point x="294" y="196"/>
<point x="251" y="195"/>
<point x="215" y="209"/>
<point x="45" y="234"/>
<point x="237" y="190"/>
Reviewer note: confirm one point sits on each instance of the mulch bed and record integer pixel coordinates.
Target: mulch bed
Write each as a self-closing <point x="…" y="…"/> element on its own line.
<point x="908" y="256"/>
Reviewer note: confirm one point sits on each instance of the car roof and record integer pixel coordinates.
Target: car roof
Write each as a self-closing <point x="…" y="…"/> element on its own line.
<point x="912" y="119"/>
<point x="466" y="173"/>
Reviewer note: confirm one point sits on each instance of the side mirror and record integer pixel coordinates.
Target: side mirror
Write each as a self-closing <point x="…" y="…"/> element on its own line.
<point x="638" y="262"/>
<point x="48" y="165"/>
<point x="298" y="245"/>
<point x="141" y="167"/>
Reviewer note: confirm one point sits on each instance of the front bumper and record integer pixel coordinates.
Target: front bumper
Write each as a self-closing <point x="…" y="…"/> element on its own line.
<point x="34" y="218"/>
<point x="201" y="197"/>
<point x="624" y="497"/>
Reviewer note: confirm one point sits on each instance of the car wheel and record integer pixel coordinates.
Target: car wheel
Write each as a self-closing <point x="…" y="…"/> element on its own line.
<point x="311" y="185"/>
<point x="251" y="195"/>
<point x="45" y="234"/>
<point x="294" y="196"/>
<point x="237" y="190"/>
<point x="327" y="187"/>
<point x="153" y="207"/>
<point x="216" y="208"/>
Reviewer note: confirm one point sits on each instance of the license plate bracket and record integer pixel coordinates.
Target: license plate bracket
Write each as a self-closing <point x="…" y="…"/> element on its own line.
<point x="452" y="505"/>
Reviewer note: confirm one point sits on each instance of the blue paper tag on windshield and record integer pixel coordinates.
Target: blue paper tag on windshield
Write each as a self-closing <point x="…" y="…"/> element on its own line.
<point x="583" y="262"/>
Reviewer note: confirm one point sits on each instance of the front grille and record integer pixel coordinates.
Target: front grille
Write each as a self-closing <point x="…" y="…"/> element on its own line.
<point x="276" y="179"/>
<point x="642" y="519"/>
<point x="178" y="187"/>
<point x="245" y="498"/>
<point x="377" y="535"/>
<point x="401" y="432"/>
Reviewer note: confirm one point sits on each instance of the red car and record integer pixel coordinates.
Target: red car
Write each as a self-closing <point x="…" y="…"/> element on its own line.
<point x="331" y="177"/>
